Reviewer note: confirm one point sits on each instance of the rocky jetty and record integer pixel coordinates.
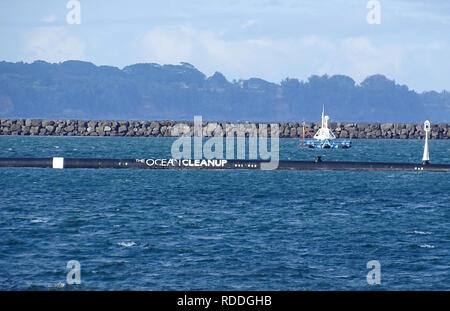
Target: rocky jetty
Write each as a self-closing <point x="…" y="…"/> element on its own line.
<point x="38" y="127"/>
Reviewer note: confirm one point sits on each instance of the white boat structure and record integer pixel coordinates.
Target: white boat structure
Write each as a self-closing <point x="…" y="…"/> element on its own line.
<point x="324" y="138"/>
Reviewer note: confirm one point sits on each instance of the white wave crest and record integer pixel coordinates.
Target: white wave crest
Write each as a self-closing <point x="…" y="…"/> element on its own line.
<point x="126" y="244"/>
<point x="420" y="232"/>
<point x="60" y="285"/>
<point x="427" y="246"/>
<point x="39" y="220"/>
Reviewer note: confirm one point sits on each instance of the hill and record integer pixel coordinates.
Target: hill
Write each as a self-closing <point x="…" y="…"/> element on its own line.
<point x="82" y="90"/>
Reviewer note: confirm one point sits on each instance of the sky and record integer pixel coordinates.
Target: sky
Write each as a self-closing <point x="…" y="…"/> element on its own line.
<point x="269" y="39"/>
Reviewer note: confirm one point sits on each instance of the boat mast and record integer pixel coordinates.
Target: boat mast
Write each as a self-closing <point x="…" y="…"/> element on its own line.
<point x="303" y="136"/>
<point x="323" y="115"/>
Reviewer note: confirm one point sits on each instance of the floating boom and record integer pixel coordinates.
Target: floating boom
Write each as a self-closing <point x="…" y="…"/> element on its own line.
<point x="191" y="164"/>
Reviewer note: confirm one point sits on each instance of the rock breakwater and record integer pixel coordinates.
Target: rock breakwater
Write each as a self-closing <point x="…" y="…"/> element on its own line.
<point x="38" y="127"/>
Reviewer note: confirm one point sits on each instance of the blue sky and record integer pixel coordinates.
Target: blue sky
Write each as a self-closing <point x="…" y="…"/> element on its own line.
<point x="270" y="39"/>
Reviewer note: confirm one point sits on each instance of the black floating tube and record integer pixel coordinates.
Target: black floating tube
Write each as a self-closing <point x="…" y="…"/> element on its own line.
<point x="58" y="162"/>
<point x="26" y="162"/>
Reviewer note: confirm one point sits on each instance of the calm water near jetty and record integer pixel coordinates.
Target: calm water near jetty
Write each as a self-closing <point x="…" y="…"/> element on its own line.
<point x="214" y="230"/>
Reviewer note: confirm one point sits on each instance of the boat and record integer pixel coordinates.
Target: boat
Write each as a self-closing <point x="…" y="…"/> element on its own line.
<point x="324" y="138"/>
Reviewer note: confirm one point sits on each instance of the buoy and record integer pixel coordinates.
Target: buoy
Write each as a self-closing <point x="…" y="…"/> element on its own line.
<point x="426" y="153"/>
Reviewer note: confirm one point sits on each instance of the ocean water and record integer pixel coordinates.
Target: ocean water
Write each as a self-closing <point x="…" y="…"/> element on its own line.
<point x="222" y="230"/>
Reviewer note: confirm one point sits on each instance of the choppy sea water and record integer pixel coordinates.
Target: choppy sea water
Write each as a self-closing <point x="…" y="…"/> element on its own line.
<point x="222" y="230"/>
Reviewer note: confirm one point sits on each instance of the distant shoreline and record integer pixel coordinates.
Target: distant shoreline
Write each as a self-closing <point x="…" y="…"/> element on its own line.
<point x="40" y="127"/>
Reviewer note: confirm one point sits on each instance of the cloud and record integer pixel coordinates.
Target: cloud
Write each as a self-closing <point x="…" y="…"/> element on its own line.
<point x="52" y="44"/>
<point x="168" y="44"/>
<point x="429" y="12"/>
<point x="205" y="49"/>
<point x="248" y="24"/>
<point x="360" y="57"/>
<point x="49" y="19"/>
<point x="272" y="59"/>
